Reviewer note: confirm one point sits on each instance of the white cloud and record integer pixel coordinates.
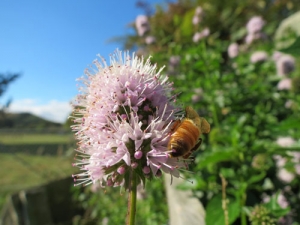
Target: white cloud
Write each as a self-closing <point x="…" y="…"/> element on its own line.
<point x="53" y="110"/>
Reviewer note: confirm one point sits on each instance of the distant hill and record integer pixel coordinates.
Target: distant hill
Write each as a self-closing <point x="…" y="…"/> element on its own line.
<point x="25" y="120"/>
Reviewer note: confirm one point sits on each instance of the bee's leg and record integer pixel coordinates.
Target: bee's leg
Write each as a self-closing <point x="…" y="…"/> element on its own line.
<point x="186" y="156"/>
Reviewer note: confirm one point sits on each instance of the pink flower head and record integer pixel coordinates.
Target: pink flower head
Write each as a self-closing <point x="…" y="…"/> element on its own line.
<point x="276" y="55"/>
<point x="200" y="35"/>
<point x="251" y="37"/>
<point x="197" y="96"/>
<point x="259" y="56"/>
<point x="150" y="40"/>
<point x="288" y="104"/>
<point x="282" y="201"/>
<point x="285" y="141"/>
<point x="233" y="50"/>
<point x="255" y="24"/>
<point x="198" y="15"/>
<point x="174" y="60"/>
<point x="284" y="84"/>
<point x="196" y="20"/>
<point x="280" y="161"/>
<point x="199" y="11"/>
<point x="285" y="176"/>
<point x="142" y="25"/>
<point x="285" y="64"/>
<point x="122" y="119"/>
<point x="297" y="169"/>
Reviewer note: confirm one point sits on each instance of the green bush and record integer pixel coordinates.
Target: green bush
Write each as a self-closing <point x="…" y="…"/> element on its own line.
<point x="248" y="168"/>
<point x="252" y="106"/>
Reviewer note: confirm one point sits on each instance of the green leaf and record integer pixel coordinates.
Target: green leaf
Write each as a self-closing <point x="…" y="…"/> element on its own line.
<point x="141" y="175"/>
<point x="293" y="49"/>
<point x="256" y="178"/>
<point x="216" y="157"/>
<point x="215" y="213"/>
<point x="186" y="26"/>
<point x="228" y="172"/>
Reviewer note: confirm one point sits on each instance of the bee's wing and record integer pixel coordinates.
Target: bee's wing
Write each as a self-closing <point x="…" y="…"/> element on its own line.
<point x="205" y="126"/>
<point x="200" y="122"/>
<point x="191" y="113"/>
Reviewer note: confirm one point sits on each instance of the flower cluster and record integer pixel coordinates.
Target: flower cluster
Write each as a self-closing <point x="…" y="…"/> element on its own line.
<point x="261" y="215"/>
<point x="122" y="121"/>
<point x="142" y="26"/>
<point x="149" y="40"/>
<point x="200" y="35"/>
<point x="174" y="63"/>
<point x="233" y="50"/>
<point x="284" y="84"/>
<point x="285" y="65"/>
<point x="197" y="18"/>
<point x="254" y="32"/>
<point x="198" y="94"/>
<point x="258" y="56"/>
<point x="254" y="29"/>
<point x="283" y="174"/>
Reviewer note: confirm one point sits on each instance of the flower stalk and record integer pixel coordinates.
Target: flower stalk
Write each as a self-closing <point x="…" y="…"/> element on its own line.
<point x="132" y="199"/>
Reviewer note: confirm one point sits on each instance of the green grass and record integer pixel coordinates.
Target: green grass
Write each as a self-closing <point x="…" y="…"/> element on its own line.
<point x="21" y="139"/>
<point x="22" y="171"/>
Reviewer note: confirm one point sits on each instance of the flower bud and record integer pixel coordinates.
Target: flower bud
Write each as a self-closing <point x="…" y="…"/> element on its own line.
<point x="138" y="154"/>
<point x="146" y="169"/>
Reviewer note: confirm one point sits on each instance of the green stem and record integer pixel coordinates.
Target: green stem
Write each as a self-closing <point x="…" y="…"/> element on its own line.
<point x="244" y="195"/>
<point x="243" y="214"/>
<point x="131" y="199"/>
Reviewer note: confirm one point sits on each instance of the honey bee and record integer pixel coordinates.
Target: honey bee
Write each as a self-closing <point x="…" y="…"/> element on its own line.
<point x="185" y="134"/>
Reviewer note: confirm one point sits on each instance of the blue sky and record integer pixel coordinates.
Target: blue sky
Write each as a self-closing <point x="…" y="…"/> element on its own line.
<point x="51" y="43"/>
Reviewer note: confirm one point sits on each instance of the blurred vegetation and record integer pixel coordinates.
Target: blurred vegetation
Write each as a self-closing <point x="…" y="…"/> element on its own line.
<point x="109" y="206"/>
<point x="251" y="100"/>
<point x="5" y="80"/>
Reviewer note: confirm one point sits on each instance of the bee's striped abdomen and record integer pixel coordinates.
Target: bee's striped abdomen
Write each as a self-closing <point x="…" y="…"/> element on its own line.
<point x="184" y="138"/>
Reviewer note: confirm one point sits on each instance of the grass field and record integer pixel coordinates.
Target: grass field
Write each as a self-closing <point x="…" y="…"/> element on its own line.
<point x="21" y="171"/>
<point x="19" y="139"/>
